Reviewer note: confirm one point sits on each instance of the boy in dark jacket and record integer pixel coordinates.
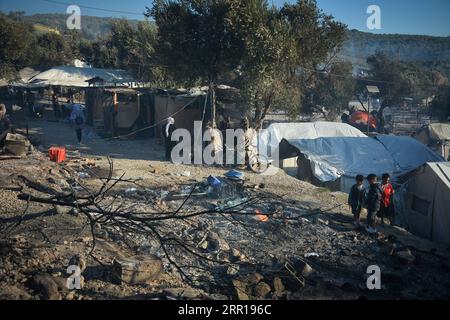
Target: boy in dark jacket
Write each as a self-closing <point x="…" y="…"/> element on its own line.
<point x="373" y="200"/>
<point x="356" y="199"/>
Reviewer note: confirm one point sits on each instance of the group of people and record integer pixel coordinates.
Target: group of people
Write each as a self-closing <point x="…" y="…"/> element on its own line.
<point x="217" y="140"/>
<point x="377" y="199"/>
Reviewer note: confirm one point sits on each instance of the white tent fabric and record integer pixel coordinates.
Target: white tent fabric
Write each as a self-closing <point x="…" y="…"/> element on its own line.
<point x="332" y="158"/>
<point x="270" y="138"/>
<point x="77" y="77"/>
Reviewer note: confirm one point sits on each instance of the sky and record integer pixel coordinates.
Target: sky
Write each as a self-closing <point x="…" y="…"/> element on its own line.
<point x="425" y="17"/>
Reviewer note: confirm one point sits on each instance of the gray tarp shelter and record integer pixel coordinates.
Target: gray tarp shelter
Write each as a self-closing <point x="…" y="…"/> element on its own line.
<point x="342" y="158"/>
<point x="425" y="202"/>
<point x="437" y="137"/>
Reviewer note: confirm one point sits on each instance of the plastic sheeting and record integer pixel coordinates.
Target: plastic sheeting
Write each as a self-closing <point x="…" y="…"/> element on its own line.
<point x="271" y="137"/>
<point x="407" y="152"/>
<point x="332" y="158"/>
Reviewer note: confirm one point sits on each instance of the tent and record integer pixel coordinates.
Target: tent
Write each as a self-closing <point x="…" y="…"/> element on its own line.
<point x="425" y="201"/>
<point x="437" y="137"/>
<point x="79" y="77"/>
<point x="270" y="138"/>
<point x="342" y="158"/>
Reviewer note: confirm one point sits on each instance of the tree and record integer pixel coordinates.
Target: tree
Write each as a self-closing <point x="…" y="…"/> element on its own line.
<point x="255" y="46"/>
<point x="15" y="46"/>
<point x="195" y="43"/>
<point x="280" y="43"/>
<point x="333" y="89"/>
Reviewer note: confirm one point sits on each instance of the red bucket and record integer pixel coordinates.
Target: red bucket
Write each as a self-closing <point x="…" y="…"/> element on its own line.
<point x="57" y="154"/>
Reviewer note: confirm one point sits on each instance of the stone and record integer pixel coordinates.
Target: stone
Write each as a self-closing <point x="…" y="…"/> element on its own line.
<point x="253" y="278"/>
<point x="261" y="290"/>
<point x="183" y="293"/>
<point x="216" y="243"/>
<point x="46" y="286"/>
<point x="241" y="289"/>
<point x="232" y="270"/>
<point x="12" y="292"/>
<point x="278" y="285"/>
<point x="137" y="269"/>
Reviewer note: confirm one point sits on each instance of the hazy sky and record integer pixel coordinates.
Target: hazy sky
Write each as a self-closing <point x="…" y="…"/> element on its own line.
<point x="429" y="17"/>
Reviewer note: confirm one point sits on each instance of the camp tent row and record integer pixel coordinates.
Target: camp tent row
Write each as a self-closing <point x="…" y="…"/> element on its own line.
<point x="332" y="154"/>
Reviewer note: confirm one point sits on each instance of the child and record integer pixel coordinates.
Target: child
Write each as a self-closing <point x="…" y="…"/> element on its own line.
<point x="373" y="200"/>
<point x="387" y="204"/>
<point x="356" y="199"/>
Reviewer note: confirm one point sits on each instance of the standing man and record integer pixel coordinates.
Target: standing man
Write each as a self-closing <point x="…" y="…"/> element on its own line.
<point x="167" y="131"/>
<point x="77" y="117"/>
<point x="373" y="200"/>
<point x="55" y="103"/>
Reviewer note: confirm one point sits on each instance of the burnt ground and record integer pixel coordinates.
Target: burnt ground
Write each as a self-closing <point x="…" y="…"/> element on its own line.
<point x="246" y="258"/>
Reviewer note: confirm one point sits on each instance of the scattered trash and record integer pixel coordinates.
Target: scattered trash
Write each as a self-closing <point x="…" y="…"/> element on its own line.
<point x="235" y="175"/>
<point x="83" y="175"/>
<point x="16" y="144"/>
<point x="214" y="181"/>
<point x="130" y="190"/>
<point x="186" y="174"/>
<point x="261" y="217"/>
<point x="312" y="254"/>
<point x="164" y="194"/>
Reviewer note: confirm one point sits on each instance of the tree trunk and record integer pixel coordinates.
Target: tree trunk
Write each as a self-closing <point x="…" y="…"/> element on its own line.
<point x="212" y="91"/>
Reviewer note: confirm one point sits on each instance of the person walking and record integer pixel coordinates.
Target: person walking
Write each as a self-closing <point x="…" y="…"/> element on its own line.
<point x="78" y="118"/>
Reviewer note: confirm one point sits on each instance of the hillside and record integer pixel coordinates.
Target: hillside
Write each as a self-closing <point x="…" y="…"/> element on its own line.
<point x="357" y="48"/>
<point x="91" y="27"/>
<point x="408" y="48"/>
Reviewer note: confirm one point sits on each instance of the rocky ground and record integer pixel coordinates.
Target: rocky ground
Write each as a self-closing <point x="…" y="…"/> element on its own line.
<point x="302" y="244"/>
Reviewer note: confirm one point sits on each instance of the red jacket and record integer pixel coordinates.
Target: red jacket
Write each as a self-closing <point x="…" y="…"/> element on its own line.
<point x="388" y="191"/>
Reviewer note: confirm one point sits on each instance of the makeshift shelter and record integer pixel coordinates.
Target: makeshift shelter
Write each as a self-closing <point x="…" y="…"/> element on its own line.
<point x="424" y="202"/>
<point x="119" y="110"/>
<point x="184" y="107"/>
<point x="334" y="162"/>
<point x="269" y="139"/>
<point x="437" y="137"/>
<point x="79" y="77"/>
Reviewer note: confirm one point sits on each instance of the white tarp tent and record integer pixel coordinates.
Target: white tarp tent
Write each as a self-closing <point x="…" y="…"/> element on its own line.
<point x="271" y="137"/>
<point x="78" y="77"/>
<point x="346" y="157"/>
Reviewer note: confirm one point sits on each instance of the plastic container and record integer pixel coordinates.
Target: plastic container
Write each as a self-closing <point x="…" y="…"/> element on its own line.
<point x="57" y="154"/>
